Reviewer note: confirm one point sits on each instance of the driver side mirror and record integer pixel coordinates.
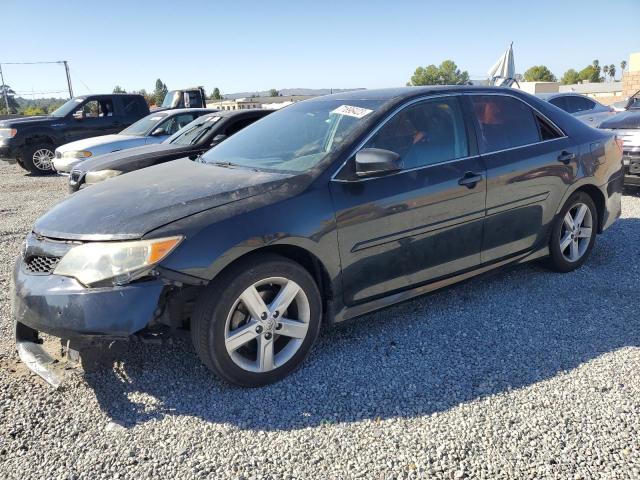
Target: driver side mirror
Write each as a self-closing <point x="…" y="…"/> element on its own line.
<point x="217" y="139"/>
<point x="376" y="161"/>
<point x="158" y="131"/>
<point x="78" y="115"/>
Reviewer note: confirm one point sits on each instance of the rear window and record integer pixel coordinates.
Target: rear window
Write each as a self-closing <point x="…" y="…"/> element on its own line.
<point x="505" y="122"/>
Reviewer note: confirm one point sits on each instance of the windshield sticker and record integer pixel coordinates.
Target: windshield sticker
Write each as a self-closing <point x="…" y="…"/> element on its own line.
<point x="78" y="100"/>
<point x="351" y="111"/>
<point x="155" y="118"/>
<point x="214" y="119"/>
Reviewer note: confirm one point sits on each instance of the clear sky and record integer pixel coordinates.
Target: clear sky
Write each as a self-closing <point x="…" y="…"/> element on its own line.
<point x="257" y="45"/>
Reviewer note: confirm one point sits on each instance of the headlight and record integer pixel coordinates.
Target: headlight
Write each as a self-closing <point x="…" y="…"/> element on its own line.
<point x="8" y="132"/>
<point x="117" y="262"/>
<point x="101" y="175"/>
<point x="77" y="154"/>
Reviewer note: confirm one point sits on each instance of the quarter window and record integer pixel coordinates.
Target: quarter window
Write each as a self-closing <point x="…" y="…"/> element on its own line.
<point x="505" y="122"/>
<point x="429" y="132"/>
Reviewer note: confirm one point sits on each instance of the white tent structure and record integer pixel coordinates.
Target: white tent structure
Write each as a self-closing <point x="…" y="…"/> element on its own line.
<point x="503" y="72"/>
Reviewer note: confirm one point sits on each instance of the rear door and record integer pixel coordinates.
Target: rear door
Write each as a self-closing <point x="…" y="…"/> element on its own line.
<point x="403" y="229"/>
<point x="530" y="164"/>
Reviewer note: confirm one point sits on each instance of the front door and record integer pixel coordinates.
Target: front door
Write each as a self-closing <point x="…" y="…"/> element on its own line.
<point x="407" y="228"/>
<point x="529" y="164"/>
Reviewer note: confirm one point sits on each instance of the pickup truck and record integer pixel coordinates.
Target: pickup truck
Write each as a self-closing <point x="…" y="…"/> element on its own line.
<point x="32" y="140"/>
<point x="192" y="97"/>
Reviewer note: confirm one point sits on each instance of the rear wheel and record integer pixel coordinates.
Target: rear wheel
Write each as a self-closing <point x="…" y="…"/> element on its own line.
<point x="257" y="322"/>
<point x="574" y="233"/>
<point x="38" y="158"/>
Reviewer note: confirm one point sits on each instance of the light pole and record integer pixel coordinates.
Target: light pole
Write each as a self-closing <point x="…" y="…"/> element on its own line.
<point x="4" y="90"/>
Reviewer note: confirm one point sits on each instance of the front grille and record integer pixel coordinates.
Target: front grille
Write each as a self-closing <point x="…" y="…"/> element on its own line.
<point x="41" y="264"/>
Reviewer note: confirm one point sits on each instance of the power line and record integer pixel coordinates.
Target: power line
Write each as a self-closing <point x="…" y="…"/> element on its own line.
<point x="29" y="63"/>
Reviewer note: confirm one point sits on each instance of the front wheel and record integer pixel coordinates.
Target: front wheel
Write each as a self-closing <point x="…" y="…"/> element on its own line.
<point x="257" y="323"/>
<point x="574" y="233"/>
<point x="38" y="158"/>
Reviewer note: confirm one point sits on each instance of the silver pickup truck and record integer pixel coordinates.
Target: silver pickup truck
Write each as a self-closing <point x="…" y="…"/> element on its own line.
<point x="626" y="125"/>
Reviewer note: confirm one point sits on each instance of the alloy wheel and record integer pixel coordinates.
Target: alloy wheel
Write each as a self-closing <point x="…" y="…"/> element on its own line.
<point x="576" y="232"/>
<point x="42" y="159"/>
<point x="267" y="324"/>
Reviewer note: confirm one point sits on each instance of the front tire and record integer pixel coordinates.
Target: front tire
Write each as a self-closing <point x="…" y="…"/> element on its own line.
<point x="38" y="158"/>
<point x="257" y="322"/>
<point x="574" y="233"/>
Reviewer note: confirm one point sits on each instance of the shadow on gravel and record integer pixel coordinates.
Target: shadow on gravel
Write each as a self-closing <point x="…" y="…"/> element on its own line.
<point x="487" y="336"/>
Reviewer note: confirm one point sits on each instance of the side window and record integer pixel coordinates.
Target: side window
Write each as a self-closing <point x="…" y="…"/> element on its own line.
<point x="130" y="106"/>
<point x="426" y="133"/>
<point x="579" y="104"/>
<point x="547" y="132"/>
<point x="174" y="124"/>
<point x="560" y="102"/>
<point x="235" y="127"/>
<point x="505" y="122"/>
<point x="90" y="109"/>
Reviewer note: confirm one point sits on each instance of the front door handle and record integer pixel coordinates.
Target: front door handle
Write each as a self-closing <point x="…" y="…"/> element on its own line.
<point x="565" y="157"/>
<point x="470" y="179"/>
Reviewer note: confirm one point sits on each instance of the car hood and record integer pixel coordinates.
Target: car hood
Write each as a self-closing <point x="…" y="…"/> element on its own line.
<point x="104" y="140"/>
<point x="623" y="120"/>
<point x="121" y="159"/>
<point x="129" y="206"/>
<point x="26" y="121"/>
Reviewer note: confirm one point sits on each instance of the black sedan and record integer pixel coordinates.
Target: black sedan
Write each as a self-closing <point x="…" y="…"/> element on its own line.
<point x="195" y="138"/>
<point x="323" y="211"/>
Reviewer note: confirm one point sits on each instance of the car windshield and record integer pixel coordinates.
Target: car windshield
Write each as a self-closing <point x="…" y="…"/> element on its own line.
<point x="192" y="133"/>
<point x="295" y="138"/>
<point x="145" y="125"/>
<point x="170" y="98"/>
<point x="67" y="107"/>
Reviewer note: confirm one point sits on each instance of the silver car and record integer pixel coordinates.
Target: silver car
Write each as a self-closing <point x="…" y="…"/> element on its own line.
<point x="154" y="128"/>
<point x="580" y="106"/>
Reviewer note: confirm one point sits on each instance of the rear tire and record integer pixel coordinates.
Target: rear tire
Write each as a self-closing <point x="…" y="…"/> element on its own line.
<point x="257" y="322"/>
<point x="37" y="158"/>
<point x="574" y="233"/>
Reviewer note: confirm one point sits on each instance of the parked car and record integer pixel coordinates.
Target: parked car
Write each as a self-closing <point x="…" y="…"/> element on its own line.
<point x="626" y="125"/>
<point x="580" y="106"/>
<point x="320" y="212"/>
<point x="194" y="139"/>
<point x="33" y="140"/>
<point x="154" y="128"/>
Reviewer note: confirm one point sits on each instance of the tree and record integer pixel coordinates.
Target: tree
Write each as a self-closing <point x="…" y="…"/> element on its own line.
<point x="590" y="74"/>
<point x="216" y="94"/>
<point x="539" y="73"/>
<point x="612" y="71"/>
<point x="11" y="99"/>
<point x="605" y="70"/>
<point x="160" y="92"/>
<point x="445" y="74"/>
<point x="32" y="110"/>
<point x="570" y="77"/>
<point x="274" y="93"/>
<point x="623" y="65"/>
<point x="119" y="89"/>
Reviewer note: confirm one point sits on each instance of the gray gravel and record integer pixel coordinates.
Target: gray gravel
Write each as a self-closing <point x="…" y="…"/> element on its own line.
<point x="523" y="374"/>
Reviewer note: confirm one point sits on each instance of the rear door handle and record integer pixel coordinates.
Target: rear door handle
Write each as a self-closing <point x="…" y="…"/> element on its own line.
<point x="565" y="157"/>
<point x="470" y="179"/>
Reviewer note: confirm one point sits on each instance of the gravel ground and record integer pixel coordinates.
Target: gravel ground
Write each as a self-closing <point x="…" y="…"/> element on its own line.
<point x="523" y="374"/>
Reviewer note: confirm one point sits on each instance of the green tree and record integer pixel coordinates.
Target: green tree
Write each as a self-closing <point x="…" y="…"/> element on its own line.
<point x="160" y="92"/>
<point x="33" y="110"/>
<point x="216" y="94"/>
<point x="570" y="77"/>
<point x="539" y="73"/>
<point x="623" y="65"/>
<point x="119" y="89"/>
<point x="612" y="71"/>
<point x="445" y="74"/>
<point x="274" y="93"/>
<point x="590" y="74"/>
<point x="11" y="99"/>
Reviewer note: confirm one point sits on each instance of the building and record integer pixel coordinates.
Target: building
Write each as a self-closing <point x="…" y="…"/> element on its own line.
<point x="537" y="87"/>
<point x="631" y="78"/>
<point x="256" y="102"/>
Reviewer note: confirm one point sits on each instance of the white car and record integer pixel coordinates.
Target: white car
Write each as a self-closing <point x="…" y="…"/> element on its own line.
<point x="154" y="128"/>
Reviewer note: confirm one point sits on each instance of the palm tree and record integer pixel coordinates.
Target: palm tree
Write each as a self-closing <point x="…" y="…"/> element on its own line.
<point x="605" y="70"/>
<point x="623" y="65"/>
<point x="612" y="72"/>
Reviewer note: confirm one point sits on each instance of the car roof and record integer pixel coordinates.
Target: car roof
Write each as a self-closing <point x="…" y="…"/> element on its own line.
<point x="409" y="92"/>
<point x="550" y="96"/>
<point x="239" y="113"/>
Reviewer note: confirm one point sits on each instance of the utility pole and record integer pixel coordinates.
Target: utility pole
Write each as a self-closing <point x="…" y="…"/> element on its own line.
<point x="66" y="69"/>
<point x="4" y="90"/>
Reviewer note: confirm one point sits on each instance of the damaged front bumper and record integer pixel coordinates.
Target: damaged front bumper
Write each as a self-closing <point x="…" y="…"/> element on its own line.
<point x="62" y="307"/>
